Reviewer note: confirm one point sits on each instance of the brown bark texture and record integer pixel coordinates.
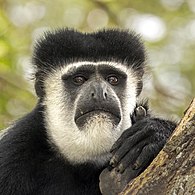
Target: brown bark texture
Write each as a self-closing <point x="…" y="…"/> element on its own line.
<point x="173" y="171"/>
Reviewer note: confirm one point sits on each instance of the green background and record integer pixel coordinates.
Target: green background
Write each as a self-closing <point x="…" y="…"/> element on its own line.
<point x="167" y="28"/>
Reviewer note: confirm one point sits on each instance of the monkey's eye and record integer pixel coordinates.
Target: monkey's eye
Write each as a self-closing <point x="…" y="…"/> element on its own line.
<point x="113" y="79"/>
<point x="79" y="79"/>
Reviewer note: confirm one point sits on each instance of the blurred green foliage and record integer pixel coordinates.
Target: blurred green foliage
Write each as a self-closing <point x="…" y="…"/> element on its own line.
<point x="167" y="28"/>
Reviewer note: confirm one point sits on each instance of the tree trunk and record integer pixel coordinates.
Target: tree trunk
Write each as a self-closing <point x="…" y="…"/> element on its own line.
<point x="173" y="171"/>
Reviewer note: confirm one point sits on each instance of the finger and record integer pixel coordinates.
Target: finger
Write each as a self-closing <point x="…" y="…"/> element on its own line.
<point x="127" y="145"/>
<point x="130" y="157"/>
<point x="146" y="156"/>
<point x="127" y="133"/>
<point x="140" y="113"/>
<point x="143" y="126"/>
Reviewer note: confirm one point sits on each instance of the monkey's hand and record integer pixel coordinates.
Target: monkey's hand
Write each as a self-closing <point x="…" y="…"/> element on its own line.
<point x="139" y="144"/>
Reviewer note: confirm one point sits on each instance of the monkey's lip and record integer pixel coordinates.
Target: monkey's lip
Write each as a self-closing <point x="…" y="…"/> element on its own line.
<point x="82" y="116"/>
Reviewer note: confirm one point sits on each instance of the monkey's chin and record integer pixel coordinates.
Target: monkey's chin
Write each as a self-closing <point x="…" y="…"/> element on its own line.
<point x="97" y="116"/>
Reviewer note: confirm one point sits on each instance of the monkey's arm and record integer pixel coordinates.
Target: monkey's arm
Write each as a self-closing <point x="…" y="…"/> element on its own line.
<point x="140" y="144"/>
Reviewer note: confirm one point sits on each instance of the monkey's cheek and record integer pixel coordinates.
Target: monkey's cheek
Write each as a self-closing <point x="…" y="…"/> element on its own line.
<point x="97" y="117"/>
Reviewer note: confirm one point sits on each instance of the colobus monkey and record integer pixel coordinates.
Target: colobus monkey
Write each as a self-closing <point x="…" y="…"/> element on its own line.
<point x="87" y="86"/>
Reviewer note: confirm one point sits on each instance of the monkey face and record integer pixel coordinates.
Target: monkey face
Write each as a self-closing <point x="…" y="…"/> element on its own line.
<point x="88" y="106"/>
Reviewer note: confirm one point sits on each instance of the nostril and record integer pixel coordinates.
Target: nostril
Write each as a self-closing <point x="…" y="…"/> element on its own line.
<point x="92" y="94"/>
<point x="105" y="95"/>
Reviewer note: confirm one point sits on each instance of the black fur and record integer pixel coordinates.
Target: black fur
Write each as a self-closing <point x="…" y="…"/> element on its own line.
<point x="65" y="46"/>
<point x="28" y="163"/>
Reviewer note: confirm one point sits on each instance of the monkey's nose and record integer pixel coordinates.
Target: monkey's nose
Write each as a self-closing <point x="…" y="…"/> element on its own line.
<point x="99" y="92"/>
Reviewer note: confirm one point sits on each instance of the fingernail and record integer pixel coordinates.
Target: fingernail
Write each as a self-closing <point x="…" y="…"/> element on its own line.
<point x="136" y="165"/>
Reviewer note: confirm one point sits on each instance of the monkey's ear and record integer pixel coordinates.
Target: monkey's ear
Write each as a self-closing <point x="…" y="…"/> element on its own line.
<point x="39" y="88"/>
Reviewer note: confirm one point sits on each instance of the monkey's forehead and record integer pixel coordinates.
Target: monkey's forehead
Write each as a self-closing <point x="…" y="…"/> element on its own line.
<point x="65" y="46"/>
<point x="95" y="67"/>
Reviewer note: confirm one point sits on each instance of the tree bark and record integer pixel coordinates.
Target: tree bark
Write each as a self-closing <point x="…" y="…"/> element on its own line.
<point x="173" y="171"/>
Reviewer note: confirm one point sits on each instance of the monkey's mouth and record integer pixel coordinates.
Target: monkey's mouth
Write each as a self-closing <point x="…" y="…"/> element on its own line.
<point x="82" y="117"/>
